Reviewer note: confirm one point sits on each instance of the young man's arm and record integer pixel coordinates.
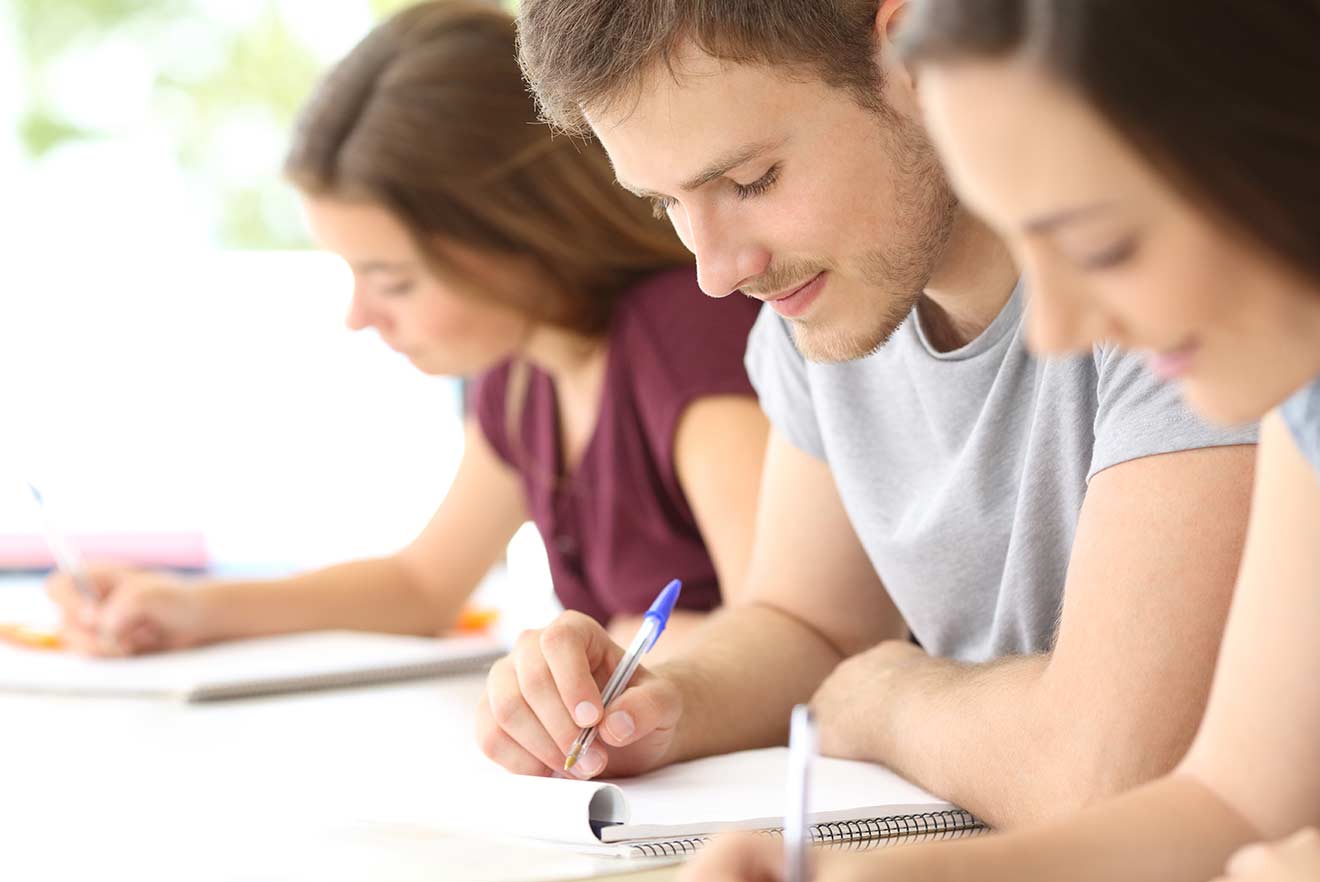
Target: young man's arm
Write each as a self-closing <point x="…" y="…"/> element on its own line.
<point x="811" y="599"/>
<point x="1116" y="702"/>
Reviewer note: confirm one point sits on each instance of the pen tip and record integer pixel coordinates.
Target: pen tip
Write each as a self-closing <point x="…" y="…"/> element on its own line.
<point x="36" y="494"/>
<point x="570" y="761"/>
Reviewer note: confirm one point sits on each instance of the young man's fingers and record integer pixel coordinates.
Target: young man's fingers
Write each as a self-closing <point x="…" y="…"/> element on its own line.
<point x="540" y="692"/>
<point x="577" y="649"/>
<point x="509" y="712"/>
<point x="499" y="747"/>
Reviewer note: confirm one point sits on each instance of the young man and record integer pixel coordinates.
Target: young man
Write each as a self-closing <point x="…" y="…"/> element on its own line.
<point x="1060" y="538"/>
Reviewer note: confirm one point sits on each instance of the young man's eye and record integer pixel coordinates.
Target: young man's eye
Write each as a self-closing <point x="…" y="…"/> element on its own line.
<point x="758" y="186"/>
<point x="660" y="205"/>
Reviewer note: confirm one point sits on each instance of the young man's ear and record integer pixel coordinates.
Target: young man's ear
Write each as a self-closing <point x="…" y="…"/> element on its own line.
<point x="889" y="17"/>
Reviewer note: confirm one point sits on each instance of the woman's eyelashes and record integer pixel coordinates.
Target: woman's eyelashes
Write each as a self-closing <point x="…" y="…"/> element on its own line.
<point x="1113" y="256"/>
<point x="397" y="289"/>
<point x="660" y="205"/>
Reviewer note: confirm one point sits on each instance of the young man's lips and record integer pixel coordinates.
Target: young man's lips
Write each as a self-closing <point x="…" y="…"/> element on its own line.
<point x="798" y="300"/>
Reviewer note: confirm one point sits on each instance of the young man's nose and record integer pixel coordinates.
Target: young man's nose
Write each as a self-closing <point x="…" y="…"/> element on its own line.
<point x="726" y="255"/>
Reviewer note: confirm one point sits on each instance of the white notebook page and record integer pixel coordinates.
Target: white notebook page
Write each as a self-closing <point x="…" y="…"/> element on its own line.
<point x="255" y="666"/>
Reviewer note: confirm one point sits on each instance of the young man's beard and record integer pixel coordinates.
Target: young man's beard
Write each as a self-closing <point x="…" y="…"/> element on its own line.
<point x="924" y="208"/>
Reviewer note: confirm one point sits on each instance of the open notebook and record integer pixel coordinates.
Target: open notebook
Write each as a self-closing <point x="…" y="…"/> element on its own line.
<point x="242" y="668"/>
<point x="672" y="811"/>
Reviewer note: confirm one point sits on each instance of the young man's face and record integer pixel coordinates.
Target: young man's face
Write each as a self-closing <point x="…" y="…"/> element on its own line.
<point x="790" y="191"/>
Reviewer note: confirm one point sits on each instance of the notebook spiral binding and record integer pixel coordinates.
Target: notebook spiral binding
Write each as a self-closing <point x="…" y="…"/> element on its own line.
<point x="848" y="835"/>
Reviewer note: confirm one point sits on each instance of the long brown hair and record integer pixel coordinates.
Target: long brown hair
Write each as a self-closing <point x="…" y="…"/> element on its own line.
<point x="1223" y="98"/>
<point x="429" y="118"/>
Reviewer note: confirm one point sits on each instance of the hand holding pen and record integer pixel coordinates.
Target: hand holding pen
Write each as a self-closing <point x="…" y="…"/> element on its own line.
<point x="556" y="683"/>
<point x="653" y="625"/>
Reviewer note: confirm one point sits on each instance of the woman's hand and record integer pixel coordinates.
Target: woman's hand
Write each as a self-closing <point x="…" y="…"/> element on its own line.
<point x="1295" y="859"/>
<point x="134" y="612"/>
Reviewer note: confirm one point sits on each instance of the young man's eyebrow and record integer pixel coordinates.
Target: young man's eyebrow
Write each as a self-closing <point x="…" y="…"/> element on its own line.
<point x="715" y="170"/>
<point x="731" y="160"/>
<point x="1049" y="222"/>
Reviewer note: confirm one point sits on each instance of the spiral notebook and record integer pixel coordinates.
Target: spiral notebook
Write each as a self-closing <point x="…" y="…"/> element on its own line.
<point x="673" y="811"/>
<point x="245" y="668"/>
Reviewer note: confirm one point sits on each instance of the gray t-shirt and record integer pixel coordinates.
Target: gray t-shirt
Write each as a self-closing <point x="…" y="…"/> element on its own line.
<point x="1302" y="414"/>
<point x="964" y="472"/>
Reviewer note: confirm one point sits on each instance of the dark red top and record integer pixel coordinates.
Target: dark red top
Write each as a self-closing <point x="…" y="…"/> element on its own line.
<point x="620" y="527"/>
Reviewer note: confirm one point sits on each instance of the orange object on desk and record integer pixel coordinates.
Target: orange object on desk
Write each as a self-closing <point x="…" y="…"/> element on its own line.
<point x="474" y="621"/>
<point x="30" y="638"/>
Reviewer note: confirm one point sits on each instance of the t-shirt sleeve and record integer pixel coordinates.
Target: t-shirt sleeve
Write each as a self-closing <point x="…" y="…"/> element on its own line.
<point x="1301" y="413"/>
<point x="486" y="402"/>
<point x="779" y="373"/>
<point x="683" y="346"/>
<point x="1139" y="415"/>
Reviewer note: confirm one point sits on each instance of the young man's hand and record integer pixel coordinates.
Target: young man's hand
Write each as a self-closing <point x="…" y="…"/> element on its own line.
<point x="540" y="696"/>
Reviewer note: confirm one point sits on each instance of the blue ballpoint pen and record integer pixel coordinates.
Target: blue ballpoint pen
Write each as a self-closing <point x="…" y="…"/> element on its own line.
<point x="653" y="624"/>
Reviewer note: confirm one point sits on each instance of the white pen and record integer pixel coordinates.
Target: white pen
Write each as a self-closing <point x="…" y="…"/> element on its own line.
<point x="797" y="837"/>
<point x="653" y="623"/>
<point x="66" y="557"/>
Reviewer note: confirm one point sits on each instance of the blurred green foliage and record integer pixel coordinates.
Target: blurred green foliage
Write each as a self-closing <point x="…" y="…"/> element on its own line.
<point x="254" y="75"/>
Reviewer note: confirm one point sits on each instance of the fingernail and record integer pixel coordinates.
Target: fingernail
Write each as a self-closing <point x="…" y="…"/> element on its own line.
<point x="621" y="725"/>
<point x="585" y="713"/>
<point x="590" y="763"/>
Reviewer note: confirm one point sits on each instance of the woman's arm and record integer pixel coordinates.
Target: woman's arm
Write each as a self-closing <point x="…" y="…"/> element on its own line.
<point x="719" y="448"/>
<point x="418" y="590"/>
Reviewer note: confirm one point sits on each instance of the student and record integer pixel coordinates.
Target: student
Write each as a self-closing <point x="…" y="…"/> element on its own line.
<point x="923" y="471"/>
<point x="610" y="404"/>
<point x="1194" y="235"/>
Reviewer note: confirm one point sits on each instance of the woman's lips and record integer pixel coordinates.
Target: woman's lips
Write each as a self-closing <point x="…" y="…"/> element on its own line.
<point x="1171" y="364"/>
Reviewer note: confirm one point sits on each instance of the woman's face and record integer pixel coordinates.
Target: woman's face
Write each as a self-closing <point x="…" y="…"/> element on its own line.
<point x="1111" y="252"/>
<point x="445" y="324"/>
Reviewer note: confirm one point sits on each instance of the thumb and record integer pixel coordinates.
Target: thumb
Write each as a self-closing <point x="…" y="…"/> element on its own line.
<point x="652" y="704"/>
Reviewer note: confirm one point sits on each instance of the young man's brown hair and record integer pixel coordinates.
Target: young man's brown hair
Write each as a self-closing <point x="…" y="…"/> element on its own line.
<point x="593" y="54"/>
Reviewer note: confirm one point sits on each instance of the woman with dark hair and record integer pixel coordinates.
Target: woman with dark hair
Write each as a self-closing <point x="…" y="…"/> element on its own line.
<point x="1155" y="168"/>
<point x="609" y="402"/>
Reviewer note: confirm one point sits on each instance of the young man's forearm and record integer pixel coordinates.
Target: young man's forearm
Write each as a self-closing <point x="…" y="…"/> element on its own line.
<point x="1000" y="740"/>
<point x="740" y="675"/>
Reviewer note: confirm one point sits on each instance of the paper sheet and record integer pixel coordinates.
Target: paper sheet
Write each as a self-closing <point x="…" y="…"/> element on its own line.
<point x="242" y="667"/>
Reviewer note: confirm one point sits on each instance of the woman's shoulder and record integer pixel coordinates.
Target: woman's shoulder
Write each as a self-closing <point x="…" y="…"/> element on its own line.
<point x="669" y="310"/>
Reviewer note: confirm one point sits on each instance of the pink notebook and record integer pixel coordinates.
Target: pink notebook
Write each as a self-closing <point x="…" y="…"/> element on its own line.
<point x="175" y="551"/>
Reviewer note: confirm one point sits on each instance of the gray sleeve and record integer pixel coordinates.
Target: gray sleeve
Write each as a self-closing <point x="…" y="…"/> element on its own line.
<point x="779" y="374"/>
<point x="1138" y="414"/>
<point x="1301" y="412"/>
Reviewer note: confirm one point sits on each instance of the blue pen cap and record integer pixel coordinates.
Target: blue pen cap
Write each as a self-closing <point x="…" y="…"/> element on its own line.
<point x="662" y="607"/>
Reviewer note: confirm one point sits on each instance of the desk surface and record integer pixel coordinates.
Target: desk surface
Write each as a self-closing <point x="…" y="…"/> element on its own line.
<point x="331" y="786"/>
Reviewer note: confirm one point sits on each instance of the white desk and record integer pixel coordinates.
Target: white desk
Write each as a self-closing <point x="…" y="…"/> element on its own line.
<point x="281" y="789"/>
